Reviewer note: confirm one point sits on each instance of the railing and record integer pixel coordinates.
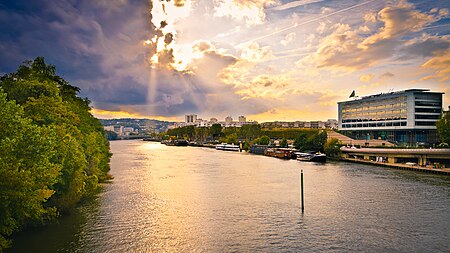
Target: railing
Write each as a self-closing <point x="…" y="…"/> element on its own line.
<point x="445" y="151"/>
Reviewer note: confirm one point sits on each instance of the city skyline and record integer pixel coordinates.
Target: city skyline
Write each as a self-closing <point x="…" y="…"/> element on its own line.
<point x="269" y="60"/>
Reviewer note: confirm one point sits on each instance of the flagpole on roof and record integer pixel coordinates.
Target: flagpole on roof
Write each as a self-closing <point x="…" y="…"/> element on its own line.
<point x="353" y="94"/>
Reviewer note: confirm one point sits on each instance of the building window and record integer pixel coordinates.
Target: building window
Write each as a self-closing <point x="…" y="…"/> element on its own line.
<point x="428" y="116"/>
<point x="425" y="123"/>
<point x="428" y="110"/>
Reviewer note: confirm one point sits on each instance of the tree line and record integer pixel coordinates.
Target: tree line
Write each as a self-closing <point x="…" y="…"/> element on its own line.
<point x="53" y="152"/>
<point x="304" y="139"/>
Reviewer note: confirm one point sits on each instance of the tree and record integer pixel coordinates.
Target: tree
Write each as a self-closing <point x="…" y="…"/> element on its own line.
<point x="443" y="127"/>
<point x="216" y="130"/>
<point x="307" y="141"/>
<point x="230" y="139"/>
<point x="264" y="140"/>
<point x="26" y="170"/>
<point x="332" y="148"/>
<point x="250" y="131"/>
<point x="284" y="143"/>
<point x="300" y="142"/>
<point x="53" y="151"/>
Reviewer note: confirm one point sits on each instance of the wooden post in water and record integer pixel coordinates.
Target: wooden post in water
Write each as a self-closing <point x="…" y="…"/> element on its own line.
<point x="301" y="191"/>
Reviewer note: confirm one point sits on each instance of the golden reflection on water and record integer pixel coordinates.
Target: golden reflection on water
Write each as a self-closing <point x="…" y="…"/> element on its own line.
<point x="187" y="199"/>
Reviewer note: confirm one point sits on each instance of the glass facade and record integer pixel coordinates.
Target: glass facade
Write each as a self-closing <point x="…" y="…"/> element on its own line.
<point x="407" y="117"/>
<point x="377" y="113"/>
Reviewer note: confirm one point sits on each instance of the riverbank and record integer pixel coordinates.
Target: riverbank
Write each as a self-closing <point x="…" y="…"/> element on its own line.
<point x="418" y="168"/>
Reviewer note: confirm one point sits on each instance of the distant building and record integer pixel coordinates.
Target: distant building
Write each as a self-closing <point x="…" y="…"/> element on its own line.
<point x="299" y="124"/>
<point x="228" y="120"/>
<point x="405" y="117"/>
<point x="331" y="124"/>
<point x="317" y="124"/>
<point x="109" y="128"/>
<point x="190" y="118"/>
<point x="128" y="130"/>
<point x="193" y="120"/>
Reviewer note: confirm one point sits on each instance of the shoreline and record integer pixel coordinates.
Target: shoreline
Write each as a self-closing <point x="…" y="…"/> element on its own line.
<point x="401" y="166"/>
<point x="445" y="171"/>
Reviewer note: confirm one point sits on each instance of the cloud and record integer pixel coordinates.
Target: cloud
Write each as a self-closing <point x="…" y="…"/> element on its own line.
<point x="387" y="75"/>
<point x="366" y="78"/>
<point x="350" y="50"/>
<point x="290" y="37"/>
<point x="253" y="52"/>
<point x="249" y="11"/>
<point x="426" y="46"/>
<point x="441" y="66"/>
<point x="295" y="4"/>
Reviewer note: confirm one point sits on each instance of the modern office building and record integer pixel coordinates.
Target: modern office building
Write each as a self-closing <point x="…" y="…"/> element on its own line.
<point x="405" y="117"/>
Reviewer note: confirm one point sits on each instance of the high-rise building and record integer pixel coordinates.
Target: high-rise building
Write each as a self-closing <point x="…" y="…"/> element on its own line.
<point x="242" y="119"/>
<point x="228" y="120"/>
<point x="405" y="117"/>
<point x="190" y="118"/>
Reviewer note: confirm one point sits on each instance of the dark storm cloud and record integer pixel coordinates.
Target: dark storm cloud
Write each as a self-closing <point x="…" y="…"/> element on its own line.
<point x="426" y="48"/>
<point x="83" y="39"/>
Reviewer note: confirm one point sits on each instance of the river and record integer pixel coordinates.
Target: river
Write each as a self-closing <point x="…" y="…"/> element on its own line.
<point x="190" y="199"/>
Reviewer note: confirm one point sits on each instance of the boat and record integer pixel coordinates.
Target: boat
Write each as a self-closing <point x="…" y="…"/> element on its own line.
<point x="282" y="153"/>
<point x="228" y="147"/>
<point x="311" y="157"/>
<point x="258" y="149"/>
<point x="180" y="142"/>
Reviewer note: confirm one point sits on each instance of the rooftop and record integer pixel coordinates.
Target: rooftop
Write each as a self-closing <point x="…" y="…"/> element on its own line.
<point x="390" y="94"/>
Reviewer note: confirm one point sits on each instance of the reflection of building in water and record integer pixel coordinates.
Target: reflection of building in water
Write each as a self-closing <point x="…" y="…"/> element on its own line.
<point x="406" y="117"/>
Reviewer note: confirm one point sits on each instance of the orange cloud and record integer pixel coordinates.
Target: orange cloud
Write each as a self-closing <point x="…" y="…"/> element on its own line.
<point x="346" y="49"/>
<point x="441" y="65"/>
<point x="283" y="114"/>
<point x="105" y="114"/>
<point x="366" y="78"/>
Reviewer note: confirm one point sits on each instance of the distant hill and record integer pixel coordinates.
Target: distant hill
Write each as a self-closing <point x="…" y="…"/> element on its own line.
<point x="144" y="126"/>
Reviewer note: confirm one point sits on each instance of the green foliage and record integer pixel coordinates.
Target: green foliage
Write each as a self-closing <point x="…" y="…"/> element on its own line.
<point x="231" y="138"/>
<point x="187" y="132"/>
<point x="53" y="151"/>
<point x="216" y="130"/>
<point x="443" y="127"/>
<point x="311" y="140"/>
<point x="290" y="134"/>
<point x="284" y="143"/>
<point x="250" y="132"/>
<point x="263" y="140"/>
<point x="26" y="170"/>
<point x="201" y="133"/>
<point x="333" y="148"/>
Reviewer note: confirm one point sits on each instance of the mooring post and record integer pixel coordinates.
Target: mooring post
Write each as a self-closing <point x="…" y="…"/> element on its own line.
<point x="301" y="190"/>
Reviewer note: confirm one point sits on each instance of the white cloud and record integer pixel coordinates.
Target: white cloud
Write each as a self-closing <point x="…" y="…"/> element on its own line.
<point x="290" y="37"/>
<point x="295" y="4"/>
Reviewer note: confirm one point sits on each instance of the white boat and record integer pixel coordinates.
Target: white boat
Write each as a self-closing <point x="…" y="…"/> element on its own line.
<point x="311" y="157"/>
<point x="228" y="147"/>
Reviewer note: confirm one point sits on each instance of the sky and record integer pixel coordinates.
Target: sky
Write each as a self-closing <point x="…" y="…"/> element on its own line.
<point x="270" y="60"/>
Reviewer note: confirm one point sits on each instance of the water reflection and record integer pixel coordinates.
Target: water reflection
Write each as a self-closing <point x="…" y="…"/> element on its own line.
<point x="185" y="199"/>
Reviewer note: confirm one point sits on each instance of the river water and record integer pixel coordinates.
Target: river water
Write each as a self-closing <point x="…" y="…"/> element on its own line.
<point x="190" y="199"/>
